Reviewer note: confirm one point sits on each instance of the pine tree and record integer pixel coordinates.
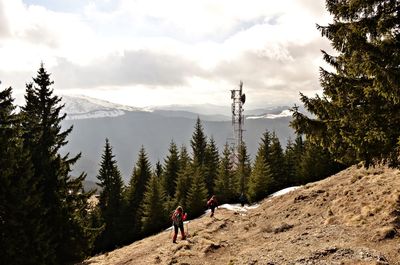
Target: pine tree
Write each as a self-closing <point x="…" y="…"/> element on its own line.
<point x="243" y="170"/>
<point x="110" y="200"/>
<point x="197" y="195"/>
<point x="357" y="117"/>
<point x="154" y="216"/>
<point x="290" y="163"/>
<point x="276" y="162"/>
<point x="198" y="144"/>
<point x="158" y="170"/>
<point x="316" y="163"/>
<point x="265" y="146"/>
<point x="226" y="185"/>
<point x="134" y="196"/>
<point x="184" y="178"/>
<point x="23" y="238"/>
<point x="195" y="173"/>
<point x="171" y="169"/>
<point x="298" y="149"/>
<point x="184" y="158"/>
<point x="260" y="180"/>
<point x="42" y="135"/>
<point x="272" y="152"/>
<point x="211" y="165"/>
<point x="293" y="154"/>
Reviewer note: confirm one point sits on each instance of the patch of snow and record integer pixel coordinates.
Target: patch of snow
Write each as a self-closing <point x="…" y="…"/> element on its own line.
<point x="238" y="207"/>
<point x="95" y="114"/>
<point x="283" y="114"/>
<point x="284" y="191"/>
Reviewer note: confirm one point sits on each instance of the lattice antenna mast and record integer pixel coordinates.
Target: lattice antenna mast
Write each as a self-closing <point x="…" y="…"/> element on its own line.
<point x="238" y="99"/>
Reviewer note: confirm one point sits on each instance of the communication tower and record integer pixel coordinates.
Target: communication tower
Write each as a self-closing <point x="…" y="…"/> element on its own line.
<point x="238" y="99"/>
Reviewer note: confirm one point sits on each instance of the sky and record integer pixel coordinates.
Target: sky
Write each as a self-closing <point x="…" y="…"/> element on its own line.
<point x="156" y="52"/>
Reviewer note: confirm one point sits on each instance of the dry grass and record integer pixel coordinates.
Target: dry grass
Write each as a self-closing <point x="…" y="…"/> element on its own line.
<point x="350" y="218"/>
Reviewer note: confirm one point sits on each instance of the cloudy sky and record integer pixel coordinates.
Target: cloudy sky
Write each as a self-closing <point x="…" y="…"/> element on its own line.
<point x="157" y="52"/>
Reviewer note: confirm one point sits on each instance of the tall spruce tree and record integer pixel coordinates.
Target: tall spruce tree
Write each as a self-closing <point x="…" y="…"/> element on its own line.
<point x="184" y="157"/>
<point x="134" y="195"/>
<point x="197" y="191"/>
<point x="23" y="238"/>
<point x="184" y="178"/>
<point x="293" y="155"/>
<point x="265" y="146"/>
<point x="211" y="165"/>
<point x="260" y="180"/>
<point x="43" y="137"/>
<point x="158" y="171"/>
<point x="243" y="170"/>
<point x="272" y="152"/>
<point x="357" y="117"/>
<point x="276" y="164"/>
<point x="110" y="201"/>
<point x="226" y="185"/>
<point x="171" y="169"/>
<point x="291" y="163"/>
<point x="154" y="214"/>
<point x="198" y="144"/>
<point x="197" y="194"/>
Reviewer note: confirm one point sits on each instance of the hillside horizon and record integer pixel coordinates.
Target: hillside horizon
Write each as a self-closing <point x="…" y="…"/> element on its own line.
<point x="129" y="129"/>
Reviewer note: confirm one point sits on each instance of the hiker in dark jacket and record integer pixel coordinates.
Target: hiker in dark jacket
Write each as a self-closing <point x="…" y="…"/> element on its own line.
<point x="177" y="220"/>
<point x="212" y="203"/>
<point x="242" y="199"/>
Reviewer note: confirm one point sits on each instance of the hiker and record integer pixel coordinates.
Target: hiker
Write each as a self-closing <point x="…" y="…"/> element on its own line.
<point x="212" y="203"/>
<point x="177" y="220"/>
<point x="242" y="199"/>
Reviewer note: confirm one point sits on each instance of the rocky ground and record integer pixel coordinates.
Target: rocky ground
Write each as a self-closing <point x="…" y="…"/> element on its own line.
<point x="350" y="218"/>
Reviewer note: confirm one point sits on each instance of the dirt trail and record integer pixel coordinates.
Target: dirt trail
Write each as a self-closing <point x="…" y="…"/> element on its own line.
<point x="350" y="218"/>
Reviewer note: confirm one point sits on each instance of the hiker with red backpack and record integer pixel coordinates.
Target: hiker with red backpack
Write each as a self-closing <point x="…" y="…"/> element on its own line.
<point x="177" y="220"/>
<point x="212" y="203"/>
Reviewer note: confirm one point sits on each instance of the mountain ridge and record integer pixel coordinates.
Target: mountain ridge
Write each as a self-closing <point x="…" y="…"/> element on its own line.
<point x="130" y="129"/>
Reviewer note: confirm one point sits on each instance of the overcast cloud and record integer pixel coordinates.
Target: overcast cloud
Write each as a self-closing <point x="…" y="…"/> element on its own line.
<point x="155" y="52"/>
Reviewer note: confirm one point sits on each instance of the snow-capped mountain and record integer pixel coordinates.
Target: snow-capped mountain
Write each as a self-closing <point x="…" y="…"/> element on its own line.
<point x="282" y="114"/>
<point x="82" y="107"/>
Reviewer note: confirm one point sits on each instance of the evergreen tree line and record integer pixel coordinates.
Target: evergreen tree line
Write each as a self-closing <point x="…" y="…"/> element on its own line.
<point x="144" y="206"/>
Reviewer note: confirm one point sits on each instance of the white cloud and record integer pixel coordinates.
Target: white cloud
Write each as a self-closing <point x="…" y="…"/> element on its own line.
<point x="197" y="49"/>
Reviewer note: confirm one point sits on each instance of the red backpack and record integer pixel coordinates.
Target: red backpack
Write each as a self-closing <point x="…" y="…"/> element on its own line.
<point x="211" y="203"/>
<point x="177" y="218"/>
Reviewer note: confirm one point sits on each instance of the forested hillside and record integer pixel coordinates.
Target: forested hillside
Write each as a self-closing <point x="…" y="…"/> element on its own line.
<point x="155" y="130"/>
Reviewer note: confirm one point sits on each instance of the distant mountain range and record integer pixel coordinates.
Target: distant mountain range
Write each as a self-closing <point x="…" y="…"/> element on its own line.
<point x="129" y="128"/>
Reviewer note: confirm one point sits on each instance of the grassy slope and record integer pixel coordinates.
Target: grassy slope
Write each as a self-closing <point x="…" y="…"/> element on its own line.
<point x="349" y="218"/>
